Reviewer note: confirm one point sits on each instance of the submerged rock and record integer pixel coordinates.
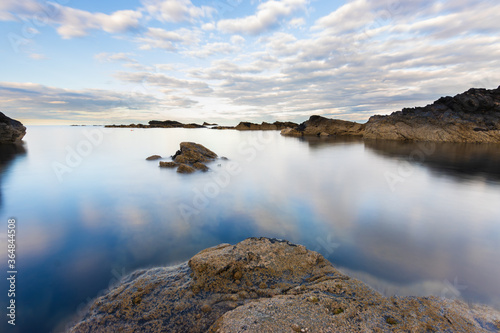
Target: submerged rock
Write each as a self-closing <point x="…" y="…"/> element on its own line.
<point x="269" y="285"/>
<point x="11" y="131"/>
<point x="473" y="116"/>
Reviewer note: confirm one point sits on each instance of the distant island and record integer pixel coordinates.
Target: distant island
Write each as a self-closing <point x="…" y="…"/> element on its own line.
<point x="470" y="117"/>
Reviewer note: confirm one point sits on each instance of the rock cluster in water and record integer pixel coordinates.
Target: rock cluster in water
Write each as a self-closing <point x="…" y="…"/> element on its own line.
<point x="473" y="116"/>
<point x="189" y="158"/>
<point x="269" y="285"/>
<point x="11" y="131"/>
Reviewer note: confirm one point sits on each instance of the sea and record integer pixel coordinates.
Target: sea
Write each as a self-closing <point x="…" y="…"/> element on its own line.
<point x="88" y="208"/>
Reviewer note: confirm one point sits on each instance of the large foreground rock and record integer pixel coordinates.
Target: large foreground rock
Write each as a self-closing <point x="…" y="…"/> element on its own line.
<point x="11" y="131"/>
<point x="473" y="116"/>
<point x="268" y="285"/>
<point x="321" y="126"/>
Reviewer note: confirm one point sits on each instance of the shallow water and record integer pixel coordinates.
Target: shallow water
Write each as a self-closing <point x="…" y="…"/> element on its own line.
<point x="408" y="219"/>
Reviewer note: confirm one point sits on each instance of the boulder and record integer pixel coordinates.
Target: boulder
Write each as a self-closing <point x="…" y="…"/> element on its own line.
<point x="11" y="131"/>
<point x="153" y="158"/>
<point x="184" y="168"/>
<point x="191" y="153"/>
<point x="473" y="116"/>
<point x="269" y="285"/>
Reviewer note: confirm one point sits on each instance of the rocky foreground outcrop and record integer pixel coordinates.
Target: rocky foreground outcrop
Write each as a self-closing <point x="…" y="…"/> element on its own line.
<point x="269" y="285"/>
<point x="189" y="158"/>
<point x="11" y="131"/>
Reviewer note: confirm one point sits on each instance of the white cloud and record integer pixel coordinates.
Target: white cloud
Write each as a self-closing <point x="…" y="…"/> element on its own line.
<point x="115" y="57"/>
<point x="210" y="49"/>
<point x="176" y="10"/>
<point x="77" y="23"/>
<point x="71" y="22"/>
<point x="166" y="40"/>
<point x="268" y="16"/>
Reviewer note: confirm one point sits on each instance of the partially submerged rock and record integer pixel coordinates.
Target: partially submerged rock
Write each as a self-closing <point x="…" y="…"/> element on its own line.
<point x="153" y="158"/>
<point x="473" y="116"/>
<point x="190" y="157"/>
<point x="269" y="285"/>
<point x="11" y="131"/>
<point x="321" y="126"/>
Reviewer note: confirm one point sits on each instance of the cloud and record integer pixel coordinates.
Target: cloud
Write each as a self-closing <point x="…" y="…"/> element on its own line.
<point x="267" y="17"/>
<point x="157" y="38"/>
<point x="210" y="49"/>
<point x="70" y="22"/>
<point x="176" y="10"/>
<point x="36" y="101"/>
<point x="115" y="57"/>
<point x="164" y="81"/>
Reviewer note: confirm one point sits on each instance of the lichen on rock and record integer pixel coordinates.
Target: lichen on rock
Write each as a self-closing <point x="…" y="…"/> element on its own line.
<point x="268" y="285"/>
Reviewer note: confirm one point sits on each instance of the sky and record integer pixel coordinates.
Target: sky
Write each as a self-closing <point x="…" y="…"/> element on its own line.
<point x="225" y="61"/>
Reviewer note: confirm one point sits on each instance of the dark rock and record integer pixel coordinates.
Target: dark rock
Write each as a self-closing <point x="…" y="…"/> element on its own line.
<point x="200" y="166"/>
<point x="473" y="117"/>
<point x="168" y="165"/>
<point x="268" y="285"/>
<point x="11" y="131"/>
<point x="320" y="126"/>
<point x="208" y="124"/>
<point x="191" y="153"/>
<point x="153" y="158"/>
<point x="184" y="168"/>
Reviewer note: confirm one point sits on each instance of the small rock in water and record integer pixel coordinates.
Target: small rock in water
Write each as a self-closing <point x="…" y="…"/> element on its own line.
<point x="153" y="158"/>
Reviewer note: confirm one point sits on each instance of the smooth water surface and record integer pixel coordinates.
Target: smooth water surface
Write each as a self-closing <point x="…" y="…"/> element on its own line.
<point x="408" y="219"/>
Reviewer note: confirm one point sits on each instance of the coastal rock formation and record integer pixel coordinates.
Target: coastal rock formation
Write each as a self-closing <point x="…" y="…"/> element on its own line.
<point x="277" y="125"/>
<point x="473" y="116"/>
<point x="11" y="131"/>
<point x="190" y="157"/>
<point x="321" y="126"/>
<point x="269" y="285"/>
<point x="159" y="124"/>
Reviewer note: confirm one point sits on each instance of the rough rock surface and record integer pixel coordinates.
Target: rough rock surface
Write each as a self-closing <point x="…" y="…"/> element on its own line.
<point x="320" y="126"/>
<point x="473" y="116"/>
<point x="269" y="285"/>
<point x="153" y="158"/>
<point x="190" y="157"/>
<point x="11" y="131"/>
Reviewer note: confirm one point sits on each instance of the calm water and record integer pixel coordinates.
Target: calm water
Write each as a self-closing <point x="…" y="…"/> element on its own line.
<point x="408" y="219"/>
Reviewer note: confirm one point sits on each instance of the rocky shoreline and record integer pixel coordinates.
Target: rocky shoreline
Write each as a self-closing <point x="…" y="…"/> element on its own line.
<point x="269" y="285"/>
<point x="470" y="117"/>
